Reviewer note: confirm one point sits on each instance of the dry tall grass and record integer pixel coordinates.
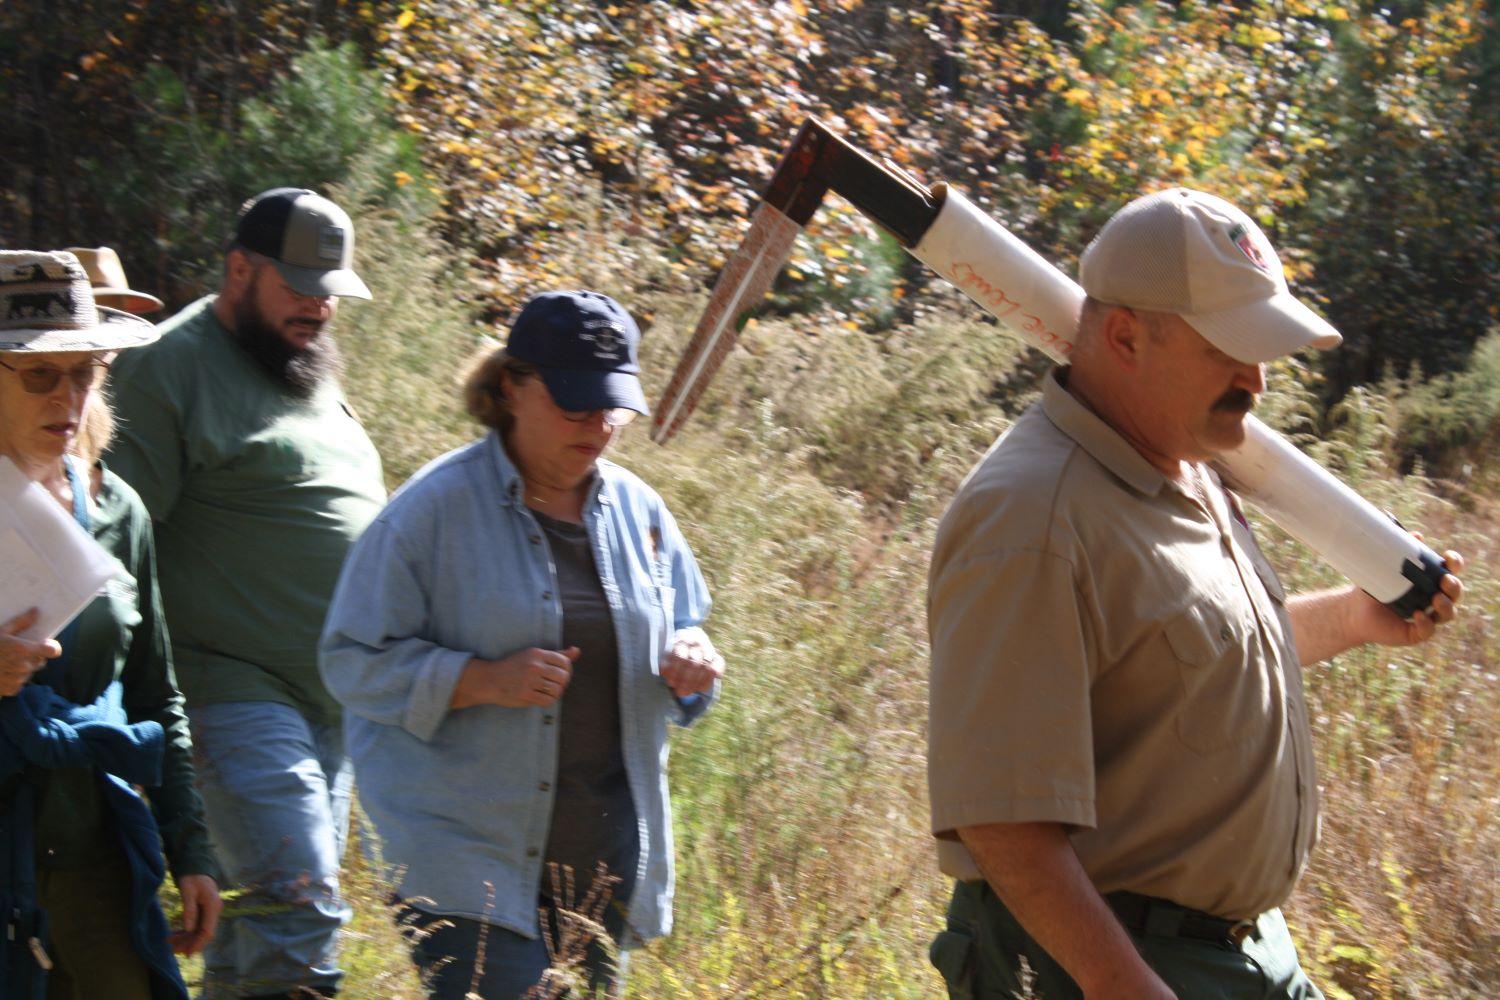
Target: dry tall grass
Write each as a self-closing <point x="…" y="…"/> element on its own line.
<point x="810" y="485"/>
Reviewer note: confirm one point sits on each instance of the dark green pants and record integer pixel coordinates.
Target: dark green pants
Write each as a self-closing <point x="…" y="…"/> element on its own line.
<point x="980" y="957"/>
<point x="91" y="950"/>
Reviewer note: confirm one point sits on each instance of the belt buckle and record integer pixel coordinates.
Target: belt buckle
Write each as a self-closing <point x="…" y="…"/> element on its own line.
<point x="1240" y="930"/>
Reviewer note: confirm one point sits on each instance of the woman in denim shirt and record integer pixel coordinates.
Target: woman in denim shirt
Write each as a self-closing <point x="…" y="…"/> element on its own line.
<point x="510" y="639"/>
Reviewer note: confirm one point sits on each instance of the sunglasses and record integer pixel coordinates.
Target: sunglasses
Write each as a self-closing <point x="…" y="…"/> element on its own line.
<point x="44" y="378"/>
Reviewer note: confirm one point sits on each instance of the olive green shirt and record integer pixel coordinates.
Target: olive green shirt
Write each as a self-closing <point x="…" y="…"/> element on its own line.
<point x="1111" y="651"/>
<point x="257" y="495"/>
<point x="121" y="636"/>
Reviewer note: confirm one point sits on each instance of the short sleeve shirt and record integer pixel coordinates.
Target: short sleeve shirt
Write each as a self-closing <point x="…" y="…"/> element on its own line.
<point x="1112" y="651"/>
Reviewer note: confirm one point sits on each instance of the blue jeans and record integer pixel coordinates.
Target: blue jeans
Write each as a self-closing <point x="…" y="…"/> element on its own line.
<point x="276" y="789"/>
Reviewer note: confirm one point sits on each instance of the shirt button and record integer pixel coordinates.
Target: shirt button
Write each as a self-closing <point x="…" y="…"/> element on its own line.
<point x="536" y="539"/>
<point x="547" y="720"/>
<point x="546" y="595"/>
<point x="1225" y="633"/>
<point x="545" y="786"/>
<point x="532" y="852"/>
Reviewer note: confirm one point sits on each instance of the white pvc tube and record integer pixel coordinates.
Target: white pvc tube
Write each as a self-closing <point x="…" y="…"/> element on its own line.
<point x="1312" y="505"/>
<point x="1040" y="304"/>
<point x="1006" y="277"/>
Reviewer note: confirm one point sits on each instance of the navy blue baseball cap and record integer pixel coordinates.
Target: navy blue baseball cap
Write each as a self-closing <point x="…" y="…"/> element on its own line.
<point x="584" y="345"/>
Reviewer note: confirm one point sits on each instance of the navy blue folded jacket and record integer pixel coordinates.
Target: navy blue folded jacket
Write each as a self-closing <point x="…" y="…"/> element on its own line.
<point x="40" y="730"/>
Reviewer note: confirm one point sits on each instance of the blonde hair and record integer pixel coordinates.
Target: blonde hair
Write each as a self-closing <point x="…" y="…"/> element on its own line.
<point x="484" y="387"/>
<point x="96" y="429"/>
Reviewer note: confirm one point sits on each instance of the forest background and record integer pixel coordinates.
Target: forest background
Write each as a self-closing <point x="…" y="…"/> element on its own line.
<point x="492" y="150"/>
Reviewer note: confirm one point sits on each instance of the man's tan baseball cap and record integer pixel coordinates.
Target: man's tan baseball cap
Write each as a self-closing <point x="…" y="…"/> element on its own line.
<point x="310" y="239"/>
<point x="1191" y="253"/>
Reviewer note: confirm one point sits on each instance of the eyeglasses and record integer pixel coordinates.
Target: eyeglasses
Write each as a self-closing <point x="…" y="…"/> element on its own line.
<point x="614" y="416"/>
<point x="44" y="378"/>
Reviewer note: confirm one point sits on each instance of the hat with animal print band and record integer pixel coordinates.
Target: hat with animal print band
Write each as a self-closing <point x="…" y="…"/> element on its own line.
<point x="47" y="305"/>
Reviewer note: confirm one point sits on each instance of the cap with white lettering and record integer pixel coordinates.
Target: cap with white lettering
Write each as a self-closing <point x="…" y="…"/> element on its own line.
<point x="585" y="346"/>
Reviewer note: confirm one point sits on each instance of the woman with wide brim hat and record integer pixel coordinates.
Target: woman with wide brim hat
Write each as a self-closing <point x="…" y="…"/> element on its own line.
<point x="81" y="853"/>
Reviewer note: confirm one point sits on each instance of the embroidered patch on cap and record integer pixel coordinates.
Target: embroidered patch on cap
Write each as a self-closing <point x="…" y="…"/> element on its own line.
<point x="331" y="243"/>
<point x="607" y="336"/>
<point x="1243" y="238"/>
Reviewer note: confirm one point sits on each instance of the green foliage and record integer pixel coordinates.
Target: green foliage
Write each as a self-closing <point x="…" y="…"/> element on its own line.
<point x="72" y="77"/>
<point x="1363" y="136"/>
<point x="326" y="114"/>
<point x="1403" y="209"/>
<point x="325" y="121"/>
<point x="1451" y="424"/>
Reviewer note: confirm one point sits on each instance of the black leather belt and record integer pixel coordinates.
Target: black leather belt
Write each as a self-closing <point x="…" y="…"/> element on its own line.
<point x="1149" y="915"/>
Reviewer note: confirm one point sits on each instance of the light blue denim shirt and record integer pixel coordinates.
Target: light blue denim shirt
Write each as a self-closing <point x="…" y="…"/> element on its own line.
<point x="456" y="567"/>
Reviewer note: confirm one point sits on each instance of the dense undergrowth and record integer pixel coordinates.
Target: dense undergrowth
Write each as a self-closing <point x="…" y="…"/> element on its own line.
<point x="810" y="484"/>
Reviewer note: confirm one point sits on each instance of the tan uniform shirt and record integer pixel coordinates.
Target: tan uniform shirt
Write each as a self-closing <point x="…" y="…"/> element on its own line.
<point x="1112" y="651"/>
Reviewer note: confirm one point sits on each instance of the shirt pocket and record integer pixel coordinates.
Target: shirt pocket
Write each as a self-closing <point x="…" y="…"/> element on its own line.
<point x="1225" y="695"/>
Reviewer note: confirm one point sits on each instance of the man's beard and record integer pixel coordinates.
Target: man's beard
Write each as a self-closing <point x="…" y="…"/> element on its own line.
<point x="299" y="369"/>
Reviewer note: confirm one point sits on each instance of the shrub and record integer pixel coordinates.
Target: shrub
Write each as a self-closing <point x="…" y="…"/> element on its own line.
<point x="1451" y="423"/>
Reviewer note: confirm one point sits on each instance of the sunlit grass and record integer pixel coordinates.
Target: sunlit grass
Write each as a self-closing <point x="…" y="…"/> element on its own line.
<point x="810" y="485"/>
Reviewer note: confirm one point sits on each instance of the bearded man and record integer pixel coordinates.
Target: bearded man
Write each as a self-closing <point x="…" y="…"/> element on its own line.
<point x="259" y="478"/>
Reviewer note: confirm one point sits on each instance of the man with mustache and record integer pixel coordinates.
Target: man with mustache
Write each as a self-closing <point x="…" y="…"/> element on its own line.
<point x="259" y="478"/>
<point x="1120" y="762"/>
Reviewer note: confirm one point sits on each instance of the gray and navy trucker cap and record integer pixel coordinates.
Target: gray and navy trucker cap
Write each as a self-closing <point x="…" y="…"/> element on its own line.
<point x="310" y="239"/>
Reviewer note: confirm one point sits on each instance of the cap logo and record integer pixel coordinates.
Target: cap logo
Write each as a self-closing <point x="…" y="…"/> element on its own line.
<point x="607" y="336"/>
<point x="1241" y="237"/>
<point x="331" y="243"/>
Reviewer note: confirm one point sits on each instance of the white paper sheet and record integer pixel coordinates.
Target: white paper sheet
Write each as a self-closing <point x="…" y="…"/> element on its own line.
<point x="47" y="561"/>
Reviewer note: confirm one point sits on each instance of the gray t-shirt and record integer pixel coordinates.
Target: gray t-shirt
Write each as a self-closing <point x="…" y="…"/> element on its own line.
<point x="593" y="818"/>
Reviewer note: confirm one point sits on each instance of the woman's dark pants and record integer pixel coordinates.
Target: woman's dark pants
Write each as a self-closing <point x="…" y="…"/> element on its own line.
<point x="446" y="950"/>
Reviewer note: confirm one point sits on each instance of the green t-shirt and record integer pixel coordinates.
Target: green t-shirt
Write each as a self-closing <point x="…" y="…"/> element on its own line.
<point x="257" y="495"/>
<point x="120" y="636"/>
